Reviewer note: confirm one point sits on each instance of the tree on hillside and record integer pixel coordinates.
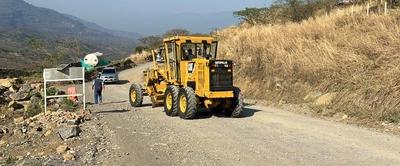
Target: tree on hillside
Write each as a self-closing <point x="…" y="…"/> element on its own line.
<point x="281" y="11"/>
<point x="253" y="16"/>
<point x="200" y="34"/>
<point x="69" y="48"/>
<point x="151" y="42"/>
<point x="176" y="32"/>
<point x="56" y="52"/>
<point x="393" y="3"/>
<point x="328" y="5"/>
<point x="298" y="10"/>
<point x="139" y="49"/>
<point x="155" y="41"/>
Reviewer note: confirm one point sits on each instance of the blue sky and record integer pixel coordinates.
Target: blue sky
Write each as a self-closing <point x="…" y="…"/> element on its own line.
<point x="114" y="13"/>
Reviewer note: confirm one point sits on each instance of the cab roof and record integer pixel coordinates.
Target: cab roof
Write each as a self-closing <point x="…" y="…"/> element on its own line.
<point x="190" y="39"/>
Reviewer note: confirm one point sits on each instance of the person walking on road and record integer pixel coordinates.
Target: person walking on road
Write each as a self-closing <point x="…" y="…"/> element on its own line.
<point x="98" y="87"/>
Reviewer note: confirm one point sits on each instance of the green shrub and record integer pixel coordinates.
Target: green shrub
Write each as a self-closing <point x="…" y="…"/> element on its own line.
<point x="32" y="111"/>
<point x="391" y="115"/>
<point x="9" y="160"/>
<point x="67" y="105"/>
<point x="34" y="93"/>
<point x="51" y="91"/>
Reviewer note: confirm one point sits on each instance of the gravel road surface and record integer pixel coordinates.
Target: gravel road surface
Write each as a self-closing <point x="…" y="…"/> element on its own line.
<point x="263" y="136"/>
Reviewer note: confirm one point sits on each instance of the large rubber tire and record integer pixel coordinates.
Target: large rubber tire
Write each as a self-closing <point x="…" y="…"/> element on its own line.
<point x="187" y="105"/>
<point x="136" y="95"/>
<point x="235" y="111"/>
<point x="171" y="100"/>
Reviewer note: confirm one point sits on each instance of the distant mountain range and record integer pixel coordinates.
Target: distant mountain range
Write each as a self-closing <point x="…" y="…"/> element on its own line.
<point x="19" y="14"/>
<point x="133" y="35"/>
<point x="22" y="24"/>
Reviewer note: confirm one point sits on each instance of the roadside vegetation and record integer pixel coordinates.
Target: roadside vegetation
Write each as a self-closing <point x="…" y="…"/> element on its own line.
<point x="346" y="54"/>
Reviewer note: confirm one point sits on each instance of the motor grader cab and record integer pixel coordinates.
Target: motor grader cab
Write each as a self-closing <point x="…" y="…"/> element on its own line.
<point x="160" y="54"/>
<point x="184" y="85"/>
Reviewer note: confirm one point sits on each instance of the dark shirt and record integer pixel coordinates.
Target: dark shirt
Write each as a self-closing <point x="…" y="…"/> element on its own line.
<point x="98" y="84"/>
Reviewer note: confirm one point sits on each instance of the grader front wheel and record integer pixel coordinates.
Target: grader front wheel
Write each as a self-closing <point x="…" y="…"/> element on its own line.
<point x="171" y="100"/>
<point x="187" y="103"/>
<point x="136" y="95"/>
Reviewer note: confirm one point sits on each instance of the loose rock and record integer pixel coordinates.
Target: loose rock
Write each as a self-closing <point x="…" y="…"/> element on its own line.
<point x="62" y="149"/>
<point x="68" y="132"/>
<point x="68" y="157"/>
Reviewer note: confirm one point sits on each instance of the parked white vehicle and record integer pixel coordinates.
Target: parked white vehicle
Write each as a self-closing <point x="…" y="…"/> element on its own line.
<point x="109" y="74"/>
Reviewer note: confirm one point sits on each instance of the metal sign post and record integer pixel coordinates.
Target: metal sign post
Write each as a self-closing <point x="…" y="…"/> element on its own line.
<point x="64" y="73"/>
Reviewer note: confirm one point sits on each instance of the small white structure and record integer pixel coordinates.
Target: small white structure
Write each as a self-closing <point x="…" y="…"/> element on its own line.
<point x="93" y="59"/>
<point x="343" y="2"/>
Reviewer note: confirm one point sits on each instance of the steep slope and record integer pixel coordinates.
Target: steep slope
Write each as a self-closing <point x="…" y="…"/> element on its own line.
<point x="345" y="64"/>
<point x="133" y="35"/>
<point x="58" y="38"/>
<point x="19" y="14"/>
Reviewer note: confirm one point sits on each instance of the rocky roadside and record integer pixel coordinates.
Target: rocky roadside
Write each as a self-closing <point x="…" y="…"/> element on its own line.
<point x="65" y="135"/>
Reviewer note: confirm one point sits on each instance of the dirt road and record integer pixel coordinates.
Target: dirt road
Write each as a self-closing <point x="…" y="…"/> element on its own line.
<point x="263" y="136"/>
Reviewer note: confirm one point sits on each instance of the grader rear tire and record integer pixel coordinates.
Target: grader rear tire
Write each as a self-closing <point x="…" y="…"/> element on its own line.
<point x="187" y="103"/>
<point x="136" y="95"/>
<point x="235" y="111"/>
<point x="171" y="100"/>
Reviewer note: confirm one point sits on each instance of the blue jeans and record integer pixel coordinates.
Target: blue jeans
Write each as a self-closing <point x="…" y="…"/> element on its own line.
<point x="97" y="95"/>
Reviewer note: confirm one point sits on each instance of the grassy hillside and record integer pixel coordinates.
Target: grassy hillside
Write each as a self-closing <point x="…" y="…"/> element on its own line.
<point x="352" y="57"/>
<point x="57" y="39"/>
<point x="132" y="35"/>
<point x="19" y="14"/>
<point x="18" y="52"/>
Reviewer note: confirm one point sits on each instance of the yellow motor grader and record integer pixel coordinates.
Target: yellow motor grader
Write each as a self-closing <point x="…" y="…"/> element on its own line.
<point x="184" y="85"/>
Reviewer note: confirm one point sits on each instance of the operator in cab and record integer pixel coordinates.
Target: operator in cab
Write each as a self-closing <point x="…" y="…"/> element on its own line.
<point x="190" y="55"/>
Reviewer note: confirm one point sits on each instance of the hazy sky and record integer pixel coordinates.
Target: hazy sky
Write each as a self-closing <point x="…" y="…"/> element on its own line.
<point x="113" y="14"/>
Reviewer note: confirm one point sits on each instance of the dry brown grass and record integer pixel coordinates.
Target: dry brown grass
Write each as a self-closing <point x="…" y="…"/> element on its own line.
<point x="139" y="58"/>
<point x="352" y="54"/>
